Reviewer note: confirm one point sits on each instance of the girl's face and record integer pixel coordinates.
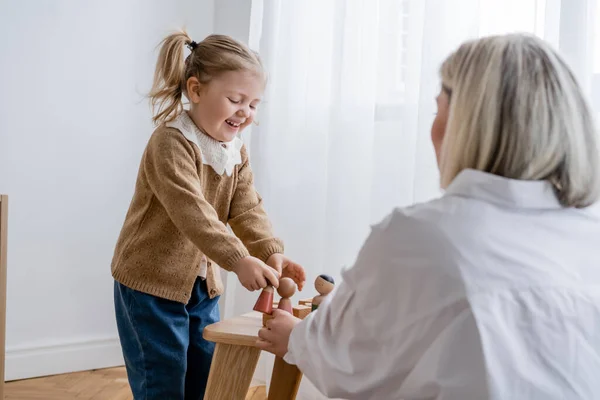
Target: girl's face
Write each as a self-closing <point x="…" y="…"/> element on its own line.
<point x="226" y="104"/>
<point x="438" y="129"/>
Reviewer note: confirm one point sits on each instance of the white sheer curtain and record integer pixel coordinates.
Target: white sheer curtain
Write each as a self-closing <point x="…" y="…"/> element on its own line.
<point x="344" y="130"/>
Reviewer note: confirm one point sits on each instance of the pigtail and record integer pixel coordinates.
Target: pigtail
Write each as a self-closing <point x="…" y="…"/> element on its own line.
<point x="169" y="78"/>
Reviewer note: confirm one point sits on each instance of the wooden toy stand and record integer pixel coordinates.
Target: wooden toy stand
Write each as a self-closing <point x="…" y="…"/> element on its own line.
<point x="236" y="356"/>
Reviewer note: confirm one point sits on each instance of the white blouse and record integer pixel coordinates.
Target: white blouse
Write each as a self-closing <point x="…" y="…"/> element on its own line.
<point x="222" y="157"/>
<point x="491" y="292"/>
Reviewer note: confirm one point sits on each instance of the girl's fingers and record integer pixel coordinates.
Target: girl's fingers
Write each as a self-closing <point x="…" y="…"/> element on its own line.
<point x="269" y="274"/>
<point x="261" y="282"/>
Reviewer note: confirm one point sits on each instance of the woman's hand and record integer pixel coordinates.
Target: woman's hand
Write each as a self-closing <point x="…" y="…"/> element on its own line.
<point x="255" y="274"/>
<point x="287" y="268"/>
<point x="276" y="336"/>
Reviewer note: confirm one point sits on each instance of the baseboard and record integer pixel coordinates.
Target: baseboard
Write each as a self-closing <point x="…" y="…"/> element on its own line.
<point x="30" y="362"/>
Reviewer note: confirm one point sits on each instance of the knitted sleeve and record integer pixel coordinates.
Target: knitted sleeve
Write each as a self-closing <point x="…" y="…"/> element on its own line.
<point x="169" y="166"/>
<point x="248" y="218"/>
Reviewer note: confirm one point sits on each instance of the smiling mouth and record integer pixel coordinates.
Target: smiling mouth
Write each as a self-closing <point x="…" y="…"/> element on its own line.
<point x="233" y="124"/>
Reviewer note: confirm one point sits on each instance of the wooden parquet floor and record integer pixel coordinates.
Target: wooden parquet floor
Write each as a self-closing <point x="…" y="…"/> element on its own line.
<point x="103" y="384"/>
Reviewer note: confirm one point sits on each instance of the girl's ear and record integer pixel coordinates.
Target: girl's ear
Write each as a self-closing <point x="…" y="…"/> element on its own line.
<point x="193" y="89"/>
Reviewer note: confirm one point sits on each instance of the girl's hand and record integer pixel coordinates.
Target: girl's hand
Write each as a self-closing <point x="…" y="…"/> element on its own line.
<point x="255" y="274"/>
<point x="276" y="336"/>
<point x="287" y="269"/>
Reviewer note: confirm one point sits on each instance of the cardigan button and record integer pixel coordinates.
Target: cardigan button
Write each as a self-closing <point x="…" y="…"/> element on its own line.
<point x="213" y="291"/>
<point x="217" y="177"/>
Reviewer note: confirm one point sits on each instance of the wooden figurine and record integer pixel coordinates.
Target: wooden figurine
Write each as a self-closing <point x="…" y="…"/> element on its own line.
<point x="324" y="285"/>
<point x="264" y="304"/>
<point x="286" y="289"/>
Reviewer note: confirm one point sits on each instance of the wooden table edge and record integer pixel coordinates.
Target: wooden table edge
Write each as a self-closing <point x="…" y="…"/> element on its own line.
<point x="213" y="333"/>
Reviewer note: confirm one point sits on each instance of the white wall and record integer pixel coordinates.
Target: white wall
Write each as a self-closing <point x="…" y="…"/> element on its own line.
<point x="73" y="124"/>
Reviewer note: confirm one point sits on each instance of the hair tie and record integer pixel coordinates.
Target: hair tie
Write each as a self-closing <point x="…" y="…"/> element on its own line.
<point x="192" y="45"/>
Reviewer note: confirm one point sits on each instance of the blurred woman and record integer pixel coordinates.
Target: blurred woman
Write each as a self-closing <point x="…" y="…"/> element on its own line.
<point x="493" y="290"/>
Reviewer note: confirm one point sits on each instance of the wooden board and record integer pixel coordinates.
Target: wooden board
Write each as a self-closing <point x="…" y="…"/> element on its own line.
<point x="102" y="384"/>
<point x="241" y="330"/>
<point x="285" y="381"/>
<point x="3" y="261"/>
<point x="305" y="302"/>
<point x="302" y="311"/>
<point x="231" y="371"/>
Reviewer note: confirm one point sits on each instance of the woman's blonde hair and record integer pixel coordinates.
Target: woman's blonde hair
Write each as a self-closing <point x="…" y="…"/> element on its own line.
<point x="516" y="110"/>
<point x="209" y="58"/>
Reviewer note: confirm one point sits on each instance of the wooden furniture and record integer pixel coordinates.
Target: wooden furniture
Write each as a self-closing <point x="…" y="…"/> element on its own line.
<point x="235" y="357"/>
<point x="3" y="245"/>
<point x="235" y="360"/>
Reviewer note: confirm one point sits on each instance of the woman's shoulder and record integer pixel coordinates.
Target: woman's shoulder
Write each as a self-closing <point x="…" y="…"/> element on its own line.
<point x="424" y="215"/>
<point x="411" y="227"/>
<point x="426" y="231"/>
<point x="443" y="213"/>
<point x="411" y="257"/>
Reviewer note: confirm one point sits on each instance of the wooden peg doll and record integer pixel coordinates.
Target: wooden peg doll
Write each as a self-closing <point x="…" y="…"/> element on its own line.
<point x="264" y="304"/>
<point x="286" y="289"/>
<point x="324" y="284"/>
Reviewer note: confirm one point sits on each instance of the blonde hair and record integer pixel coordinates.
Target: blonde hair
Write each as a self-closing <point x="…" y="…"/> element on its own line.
<point x="214" y="55"/>
<point x="516" y="110"/>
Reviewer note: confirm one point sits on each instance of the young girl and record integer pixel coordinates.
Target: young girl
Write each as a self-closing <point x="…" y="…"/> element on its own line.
<point x="194" y="178"/>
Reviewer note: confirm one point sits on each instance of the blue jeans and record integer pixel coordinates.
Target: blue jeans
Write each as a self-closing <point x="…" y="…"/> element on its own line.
<point x="165" y="355"/>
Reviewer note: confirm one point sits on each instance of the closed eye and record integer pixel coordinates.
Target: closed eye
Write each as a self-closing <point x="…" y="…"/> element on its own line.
<point x="233" y="101"/>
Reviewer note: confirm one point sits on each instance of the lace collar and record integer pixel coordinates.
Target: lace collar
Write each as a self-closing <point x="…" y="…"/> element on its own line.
<point x="222" y="157"/>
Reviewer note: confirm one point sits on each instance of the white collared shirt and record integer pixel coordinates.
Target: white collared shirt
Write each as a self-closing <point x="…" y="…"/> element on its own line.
<point x="490" y="292"/>
<point x="221" y="157"/>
